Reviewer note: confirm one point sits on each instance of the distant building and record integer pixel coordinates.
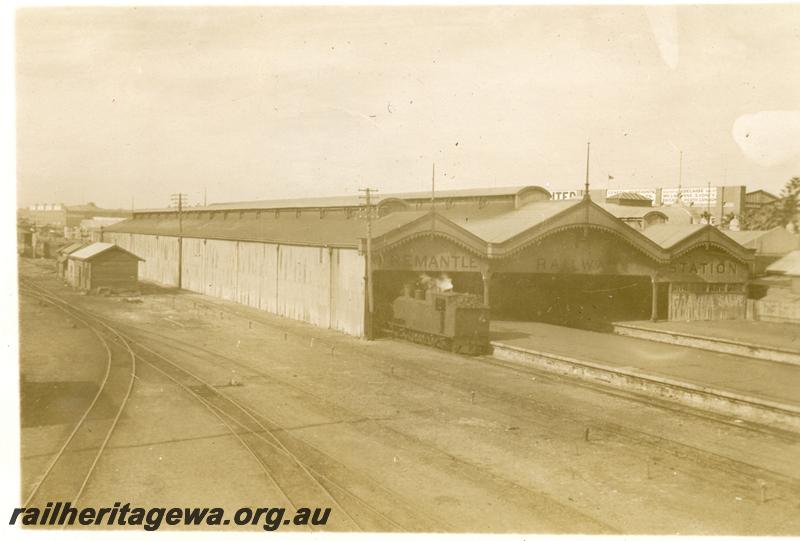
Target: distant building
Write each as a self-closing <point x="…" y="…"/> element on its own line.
<point x="59" y="215"/>
<point x="637" y="210"/>
<point x="93" y="228"/>
<point x="719" y="202"/>
<point x="758" y="199"/>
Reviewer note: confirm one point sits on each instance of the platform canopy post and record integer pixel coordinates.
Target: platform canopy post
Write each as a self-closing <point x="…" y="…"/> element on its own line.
<point x="487" y="278"/>
<point x="654" y="306"/>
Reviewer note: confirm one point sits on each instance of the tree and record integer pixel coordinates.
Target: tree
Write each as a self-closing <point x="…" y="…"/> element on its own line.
<point x="790" y="196"/>
<point x="780" y="213"/>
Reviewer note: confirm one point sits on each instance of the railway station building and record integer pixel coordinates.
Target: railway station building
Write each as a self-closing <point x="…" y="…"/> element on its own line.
<point x="572" y="262"/>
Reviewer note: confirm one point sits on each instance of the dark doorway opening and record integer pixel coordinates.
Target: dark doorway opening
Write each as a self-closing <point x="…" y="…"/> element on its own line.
<point x="662" y="297"/>
<point x="572" y="300"/>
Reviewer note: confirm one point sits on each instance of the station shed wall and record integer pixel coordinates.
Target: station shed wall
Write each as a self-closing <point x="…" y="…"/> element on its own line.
<point x="320" y="285"/>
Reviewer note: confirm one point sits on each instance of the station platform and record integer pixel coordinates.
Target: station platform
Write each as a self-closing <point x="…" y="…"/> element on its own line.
<point x="759" y="390"/>
<point x="758" y="339"/>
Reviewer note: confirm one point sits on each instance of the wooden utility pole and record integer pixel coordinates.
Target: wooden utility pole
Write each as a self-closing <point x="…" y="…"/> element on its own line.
<point x="433" y="197"/>
<point x="586" y="196"/>
<point x="369" y="331"/>
<point x="586" y="184"/>
<point x="179" y="199"/>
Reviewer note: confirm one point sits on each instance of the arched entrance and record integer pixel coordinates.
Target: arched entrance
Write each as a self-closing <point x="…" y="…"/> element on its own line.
<point x="425" y="261"/>
<point x="580" y="277"/>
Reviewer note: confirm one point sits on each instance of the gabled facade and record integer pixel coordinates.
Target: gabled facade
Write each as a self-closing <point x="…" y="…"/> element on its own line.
<point x="307" y="261"/>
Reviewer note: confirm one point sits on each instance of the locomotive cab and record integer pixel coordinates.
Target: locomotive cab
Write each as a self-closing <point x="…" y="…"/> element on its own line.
<point x="445" y="319"/>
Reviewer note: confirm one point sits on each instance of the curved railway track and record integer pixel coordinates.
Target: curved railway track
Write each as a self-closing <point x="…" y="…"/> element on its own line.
<point x="285" y="470"/>
<point x="67" y="474"/>
<point x="263" y="435"/>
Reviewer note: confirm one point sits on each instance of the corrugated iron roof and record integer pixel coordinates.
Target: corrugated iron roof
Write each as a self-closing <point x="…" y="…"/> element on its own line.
<point x="69" y="248"/>
<point x="631" y="196"/>
<point x="788" y="264"/>
<point x="677" y="215"/>
<point x="306" y="229"/>
<point x="499" y="225"/>
<point x="668" y="235"/>
<point x="351" y="200"/>
<point x="492" y="225"/>
<point x="746" y="238"/>
<point x="97" y="248"/>
<point x="316" y="229"/>
<point x="334" y="201"/>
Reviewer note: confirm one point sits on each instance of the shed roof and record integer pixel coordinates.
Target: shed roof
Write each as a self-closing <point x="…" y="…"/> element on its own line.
<point x="676" y="215"/>
<point x="69" y="248"/>
<point x="668" y="235"/>
<point x="788" y="264"/>
<point x="492" y="225"/>
<point x="771" y="242"/>
<point x="306" y="229"/>
<point x="629" y="195"/>
<point x="499" y="225"/>
<point x="487" y="224"/>
<point x="746" y="238"/>
<point x="353" y="200"/>
<point x="763" y="192"/>
<point x="93" y="250"/>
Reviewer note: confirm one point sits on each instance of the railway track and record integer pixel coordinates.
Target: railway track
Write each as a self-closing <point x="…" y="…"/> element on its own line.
<point x="68" y="473"/>
<point x="638" y="441"/>
<point x="642" y="438"/>
<point x="443" y="457"/>
<point x="294" y="479"/>
<point x="342" y="346"/>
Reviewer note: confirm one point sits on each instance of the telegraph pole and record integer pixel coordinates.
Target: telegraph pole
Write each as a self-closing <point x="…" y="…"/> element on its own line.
<point x="370" y="332"/>
<point x="433" y="197"/>
<point x="586" y="196"/>
<point x="586" y="185"/>
<point x="179" y="199"/>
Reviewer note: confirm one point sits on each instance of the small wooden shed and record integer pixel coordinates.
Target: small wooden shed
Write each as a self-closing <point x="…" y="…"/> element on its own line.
<point x="63" y="253"/>
<point x="103" y="265"/>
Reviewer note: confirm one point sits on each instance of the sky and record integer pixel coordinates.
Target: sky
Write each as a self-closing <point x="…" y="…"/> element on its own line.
<point x="124" y="106"/>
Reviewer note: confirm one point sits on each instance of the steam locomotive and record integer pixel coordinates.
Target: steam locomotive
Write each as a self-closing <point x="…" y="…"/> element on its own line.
<point x="458" y="322"/>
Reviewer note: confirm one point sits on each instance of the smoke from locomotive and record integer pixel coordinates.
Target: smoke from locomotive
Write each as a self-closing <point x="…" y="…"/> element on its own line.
<point x="442" y="282"/>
